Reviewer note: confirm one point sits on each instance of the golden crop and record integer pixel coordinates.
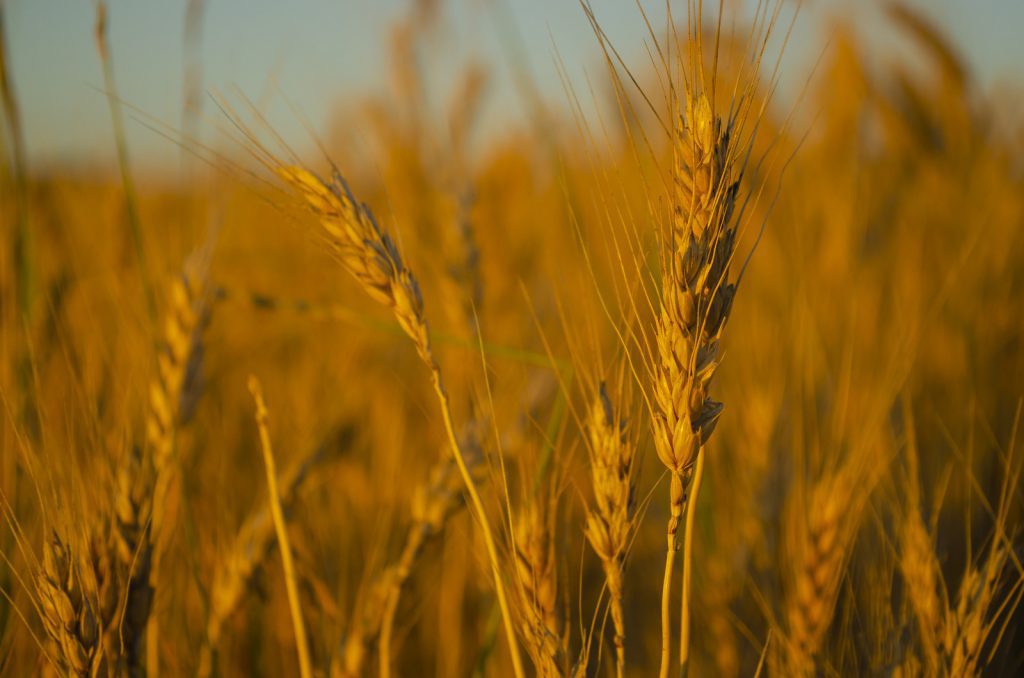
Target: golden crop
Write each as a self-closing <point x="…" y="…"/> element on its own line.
<point x="714" y="383"/>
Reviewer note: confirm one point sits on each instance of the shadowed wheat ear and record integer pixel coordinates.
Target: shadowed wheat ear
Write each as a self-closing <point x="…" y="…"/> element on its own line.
<point x="374" y="261"/>
<point x="610" y="522"/>
<point x="696" y="298"/>
<point x="969" y="624"/>
<point x="68" y="615"/>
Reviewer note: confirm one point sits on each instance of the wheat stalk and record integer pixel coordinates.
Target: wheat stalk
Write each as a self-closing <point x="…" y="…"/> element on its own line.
<point x="696" y="298"/>
<point x="610" y="523"/>
<point x="301" y="644"/>
<point x="373" y="260"/>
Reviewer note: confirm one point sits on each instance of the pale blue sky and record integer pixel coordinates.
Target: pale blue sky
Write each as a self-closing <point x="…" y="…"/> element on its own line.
<point x="318" y="52"/>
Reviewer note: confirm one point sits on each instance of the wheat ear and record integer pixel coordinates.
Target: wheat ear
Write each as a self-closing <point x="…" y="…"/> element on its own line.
<point x="695" y="302"/>
<point x="538" y="587"/>
<point x="374" y="261"/>
<point x="610" y="522"/>
<point x="822" y="532"/>
<point x="922" y="577"/>
<point x="171" y="397"/>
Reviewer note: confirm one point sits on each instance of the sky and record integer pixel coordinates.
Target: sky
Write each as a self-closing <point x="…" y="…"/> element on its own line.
<point x="310" y="57"/>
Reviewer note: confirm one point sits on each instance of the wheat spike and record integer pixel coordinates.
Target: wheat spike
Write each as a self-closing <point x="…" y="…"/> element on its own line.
<point x="610" y="523"/>
<point x="696" y="298"/>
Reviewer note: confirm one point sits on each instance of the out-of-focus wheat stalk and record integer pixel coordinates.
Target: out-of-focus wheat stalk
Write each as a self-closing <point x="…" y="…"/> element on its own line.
<point x="281" y="528"/>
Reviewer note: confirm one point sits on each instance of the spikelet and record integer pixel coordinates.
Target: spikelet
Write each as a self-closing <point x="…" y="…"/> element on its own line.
<point x="69" y="617"/>
<point x="610" y="523"/>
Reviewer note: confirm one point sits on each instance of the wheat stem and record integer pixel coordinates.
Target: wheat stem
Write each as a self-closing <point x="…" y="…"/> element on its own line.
<point x="305" y="668"/>
<point x="677" y="498"/>
<point x="688" y="535"/>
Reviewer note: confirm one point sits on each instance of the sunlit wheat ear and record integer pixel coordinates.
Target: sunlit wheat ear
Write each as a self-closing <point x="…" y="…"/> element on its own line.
<point x="538" y="586"/>
<point x="610" y="523"/>
<point x="696" y="297"/>
<point x="69" y="616"/>
<point x="365" y="251"/>
<point x="171" y="398"/>
<point x="173" y="392"/>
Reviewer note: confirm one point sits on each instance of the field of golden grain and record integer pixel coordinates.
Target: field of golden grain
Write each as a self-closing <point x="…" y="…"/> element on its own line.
<point x="711" y="383"/>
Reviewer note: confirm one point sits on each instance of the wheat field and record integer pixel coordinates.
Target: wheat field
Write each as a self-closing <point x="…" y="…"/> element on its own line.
<point x="705" y="379"/>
